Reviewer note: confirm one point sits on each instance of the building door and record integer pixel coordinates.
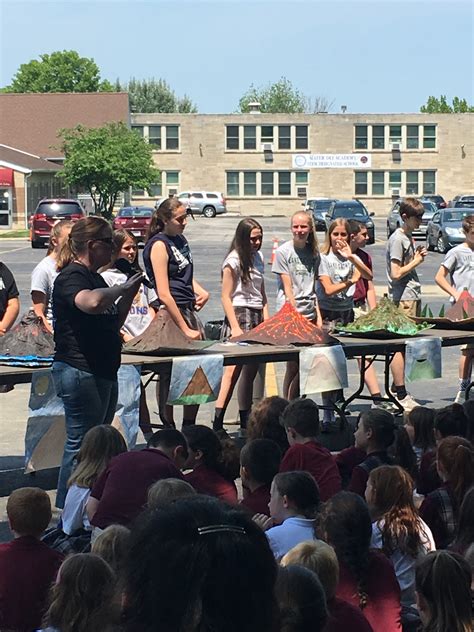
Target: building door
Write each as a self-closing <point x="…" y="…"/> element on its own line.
<point x="5" y="207"/>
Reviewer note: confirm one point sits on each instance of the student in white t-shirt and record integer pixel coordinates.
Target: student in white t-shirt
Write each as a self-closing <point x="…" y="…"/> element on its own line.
<point x="44" y="274"/>
<point x="245" y="306"/>
<point x="296" y="266"/>
<point x="459" y="265"/>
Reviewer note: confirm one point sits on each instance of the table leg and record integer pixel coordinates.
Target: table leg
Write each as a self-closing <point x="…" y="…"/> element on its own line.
<point x="356" y="394"/>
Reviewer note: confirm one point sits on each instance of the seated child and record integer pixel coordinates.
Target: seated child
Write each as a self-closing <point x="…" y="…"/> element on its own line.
<point x="264" y="421"/>
<point x="168" y="490"/>
<point x="320" y="558"/>
<point x="420" y="427"/>
<point x="28" y="567"/>
<point x="301" y="422"/>
<point x="112" y="546"/>
<point x="294" y="504"/>
<point x="259" y="463"/>
<point x="214" y="464"/>
<point x="301" y="600"/>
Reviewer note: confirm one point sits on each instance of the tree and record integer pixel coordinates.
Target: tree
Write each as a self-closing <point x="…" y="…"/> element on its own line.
<point x="154" y="96"/>
<point x="106" y="161"/>
<point x="62" y="71"/>
<point x="441" y="105"/>
<point x="283" y="97"/>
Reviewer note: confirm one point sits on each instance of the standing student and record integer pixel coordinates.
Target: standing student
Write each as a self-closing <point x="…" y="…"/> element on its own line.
<point x="404" y="288"/>
<point x="296" y="266"/>
<point x="459" y="265"/>
<point x="245" y="306"/>
<point x="9" y="301"/>
<point x="44" y="274"/>
<point x="339" y="271"/>
<point x="169" y="265"/>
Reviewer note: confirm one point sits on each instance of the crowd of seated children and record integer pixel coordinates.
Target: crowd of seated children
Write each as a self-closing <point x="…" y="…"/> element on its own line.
<point x="301" y="600"/>
<point x="166" y="490"/>
<point x="320" y="558"/>
<point x="259" y="463"/>
<point x="264" y="421"/>
<point x="294" y="504"/>
<point x="111" y="545"/>
<point x="301" y="422"/>
<point x="464" y="537"/>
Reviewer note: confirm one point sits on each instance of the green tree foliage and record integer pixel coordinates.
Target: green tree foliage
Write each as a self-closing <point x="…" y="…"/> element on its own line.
<point x="62" y="71"/>
<point x="283" y="97"/>
<point x="154" y="95"/>
<point x="106" y="161"/>
<point x="441" y="106"/>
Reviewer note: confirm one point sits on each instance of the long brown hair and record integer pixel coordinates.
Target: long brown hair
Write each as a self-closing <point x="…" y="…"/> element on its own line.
<point x="84" y="230"/>
<point x="340" y="221"/>
<point x="456" y="456"/>
<point x="241" y="244"/>
<point x="264" y="421"/>
<point x="312" y="237"/>
<point x="163" y="214"/>
<point x="57" y="229"/>
<point x="392" y="505"/>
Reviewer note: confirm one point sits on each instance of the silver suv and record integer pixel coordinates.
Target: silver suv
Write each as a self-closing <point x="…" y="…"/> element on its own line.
<point x="394" y="220"/>
<point x="207" y="203"/>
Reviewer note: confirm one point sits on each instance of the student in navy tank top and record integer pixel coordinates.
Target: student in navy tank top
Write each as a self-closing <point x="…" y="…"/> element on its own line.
<point x="169" y="265"/>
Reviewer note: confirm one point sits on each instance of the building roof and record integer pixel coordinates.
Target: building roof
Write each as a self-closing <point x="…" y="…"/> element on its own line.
<point x="31" y="122"/>
<point x="23" y="161"/>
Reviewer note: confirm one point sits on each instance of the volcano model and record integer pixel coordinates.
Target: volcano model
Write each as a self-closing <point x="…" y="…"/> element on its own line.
<point x="286" y="327"/>
<point x="462" y="308"/>
<point x="29" y="338"/>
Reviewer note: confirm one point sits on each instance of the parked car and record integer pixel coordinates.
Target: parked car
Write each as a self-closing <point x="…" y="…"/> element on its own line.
<point x="394" y="220"/>
<point x="462" y="201"/>
<point x="436" y="199"/>
<point x="136" y="219"/>
<point x="319" y="208"/>
<point x="445" y="229"/>
<point x="47" y="213"/>
<point x="207" y="203"/>
<point x="351" y="209"/>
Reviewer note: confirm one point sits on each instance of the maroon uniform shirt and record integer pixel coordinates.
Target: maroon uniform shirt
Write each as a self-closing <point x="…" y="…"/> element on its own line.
<point x="344" y="617"/>
<point x="257" y="501"/>
<point x="209" y="482"/>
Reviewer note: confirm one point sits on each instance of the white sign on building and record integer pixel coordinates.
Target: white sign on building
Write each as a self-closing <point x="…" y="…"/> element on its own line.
<point x="332" y="161"/>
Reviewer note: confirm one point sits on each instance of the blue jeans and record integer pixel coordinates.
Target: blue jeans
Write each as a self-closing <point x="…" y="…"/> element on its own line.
<point x="88" y="401"/>
<point x="128" y="404"/>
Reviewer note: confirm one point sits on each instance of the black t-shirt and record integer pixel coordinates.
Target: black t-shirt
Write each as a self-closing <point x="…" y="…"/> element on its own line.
<point x="89" y="342"/>
<point x="8" y="288"/>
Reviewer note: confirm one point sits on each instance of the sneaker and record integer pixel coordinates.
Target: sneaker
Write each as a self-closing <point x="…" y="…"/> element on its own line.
<point x="460" y="397"/>
<point x="386" y="405"/>
<point x="408" y="403"/>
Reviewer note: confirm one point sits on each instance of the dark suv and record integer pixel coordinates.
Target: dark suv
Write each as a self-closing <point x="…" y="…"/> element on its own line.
<point x="47" y="213"/>
<point x="352" y="209"/>
<point x="436" y="199"/>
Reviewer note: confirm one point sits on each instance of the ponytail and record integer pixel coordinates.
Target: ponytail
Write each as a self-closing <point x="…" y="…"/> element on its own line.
<point x="219" y="452"/>
<point x="82" y="231"/>
<point x="163" y="214"/>
<point x="456" y="457"/>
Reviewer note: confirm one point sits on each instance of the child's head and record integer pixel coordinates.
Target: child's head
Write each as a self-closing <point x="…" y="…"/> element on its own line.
<point x="302" y="228"/>
<point x="259" y="461"/>
<point x="420" y="427"/>
<point x="358" y="234"/>
<point x="82" y="598"/>
<point x="172" y="443"/>
<point x="28" y="511"/>
<point x="167" y="490"/>
<point x="455" y="463"/>
<point x="450" y="420"/>
<point x="411" y="212"/>
<point x="443" y="592"/>
<point x="465" y="528"/>
<point x="389" y="487"/>
<point x="58" y="235"/>
<point x="125" y="245"/>
<point x="301" y="598"/>
<point x="247" y="241"/>
<point x="375" y="430"/>
<point x="338" y="231"/>
<point x="468" y="229"/>
<point x="320" y="558"/>
<point x="206" y="448"/>
<point x="112" y="545"/>
<point x="293" y="494"/>
<point x="100" y="444"/>
<point x="300" y="420"/>
<point x="264" y="421"/>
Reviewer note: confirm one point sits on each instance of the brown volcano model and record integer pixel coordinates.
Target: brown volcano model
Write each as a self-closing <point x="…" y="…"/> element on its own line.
<point x="163" y="336"/>
<point x="463" y="308"/>
<point x="286" y="327"/>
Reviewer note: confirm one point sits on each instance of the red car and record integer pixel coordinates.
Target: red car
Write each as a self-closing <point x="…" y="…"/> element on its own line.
<point x="136" y="219"/>
<point x="47" y="213"/>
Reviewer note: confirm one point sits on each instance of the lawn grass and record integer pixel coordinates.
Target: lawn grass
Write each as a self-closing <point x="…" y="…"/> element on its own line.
<point x="4" y="234"/>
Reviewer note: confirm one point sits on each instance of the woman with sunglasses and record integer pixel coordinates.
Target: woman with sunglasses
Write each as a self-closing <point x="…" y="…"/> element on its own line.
<point x="169" y="266"/>
<point x="87" y="317"/>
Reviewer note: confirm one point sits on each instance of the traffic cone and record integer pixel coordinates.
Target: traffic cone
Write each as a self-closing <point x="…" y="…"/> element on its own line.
<point x="274" y="249"/>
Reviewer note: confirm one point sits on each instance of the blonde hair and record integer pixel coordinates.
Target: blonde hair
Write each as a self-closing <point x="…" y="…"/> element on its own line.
<point x="312" y="237"/>
<point x="340" y="221"/>
<point x="112" y="545"/>
<point x="82" y="231"/>
<point x="167" y="490"/>
<point x="58" y="227"/>
<point x="318" y="557"/>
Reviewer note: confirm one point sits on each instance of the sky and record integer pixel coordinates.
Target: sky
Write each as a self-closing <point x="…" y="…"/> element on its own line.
<point x="380" y="56"/>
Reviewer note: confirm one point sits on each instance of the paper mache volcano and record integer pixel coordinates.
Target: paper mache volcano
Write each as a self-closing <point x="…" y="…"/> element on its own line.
<point x="286" y="327"/>
<point x="163" y="336"/>
<point x="27" y="343"/>
<point x="458" y="316"/>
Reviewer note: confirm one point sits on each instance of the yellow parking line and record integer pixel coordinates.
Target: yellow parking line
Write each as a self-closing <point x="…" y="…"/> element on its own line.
<point x="271" y="385"/>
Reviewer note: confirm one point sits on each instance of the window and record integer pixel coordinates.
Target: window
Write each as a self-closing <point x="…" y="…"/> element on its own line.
<point x="233" y="187"/>
<point x="378" y="185"/>
<point x="154" y="136"/>
<point x="395" y="133"/>
<point x="284" y="137"/>
<point x="172" y="137"/>
<point x="395" y="179"/>
<point x="155" y="189"/>
<point x="138" y="129"/>
<point x="361" y="183"/>
<point x="412" y="137"/>
<point x="250" y="183"/>
<point x="301" y="137"/>
<point x="267" y="133"/>
<point x="361" y="141"/>
<point x="429" y="136"/>
<point x="197" y="196"/>
<point x="378" y="137"/>
<point x="138" y="192"/>
<point x="412" y="183"/>
<point x="429" y="182"/>
<point x="284" y="183"/>
<point x="267" y="182"/>
<point x="250" y="137"/>
<point x="301" y="178"/>
<point x="172" y="178"/>
<point x="232" y="132"/>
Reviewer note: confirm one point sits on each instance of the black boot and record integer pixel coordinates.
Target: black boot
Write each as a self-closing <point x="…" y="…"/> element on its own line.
<point x="218" y="422"/>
